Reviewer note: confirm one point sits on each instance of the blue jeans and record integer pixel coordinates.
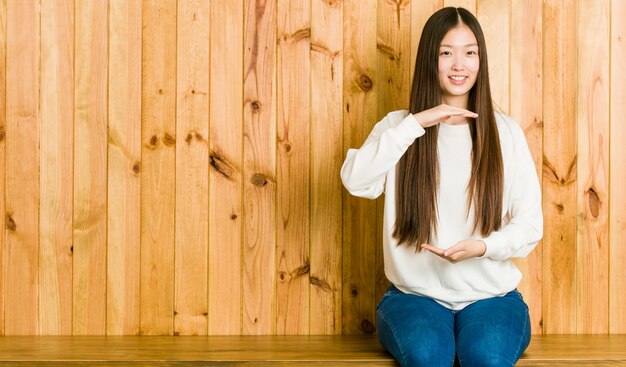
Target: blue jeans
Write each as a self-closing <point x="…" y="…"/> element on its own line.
<point x="418" y="331"/>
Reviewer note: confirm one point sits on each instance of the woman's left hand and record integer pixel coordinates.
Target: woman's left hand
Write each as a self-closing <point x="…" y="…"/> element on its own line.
<point x="463" y="250"/>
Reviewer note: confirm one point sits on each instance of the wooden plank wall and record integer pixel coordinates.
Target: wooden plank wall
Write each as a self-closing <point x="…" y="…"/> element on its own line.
<point x="170" y="167"/>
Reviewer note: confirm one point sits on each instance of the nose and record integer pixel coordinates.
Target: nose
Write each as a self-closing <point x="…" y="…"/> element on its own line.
<point x="457" y="63"/>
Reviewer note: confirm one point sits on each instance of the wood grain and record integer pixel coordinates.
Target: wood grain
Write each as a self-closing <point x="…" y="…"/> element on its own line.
<point x="259" y="169"/>
<point x="158" y="177"/>
<point x="3" y="129"/>
<point x="495" y="21"/>
<point x="225" y="202"/>
<point x="90" y="166"/>
<point x="617" y="196"/>
<point x="467" y="4"/>
<point x="526" y="107"/>
<point x="326" y="159"/>
<point x="420" y="12"/>
<point x="294" y="106"/>
<point x="56" y="167"/>
<point x="359" y="215"/>
<point x="192" y="169"/>
<point x="394" y="84"/>
<point x="21" y="256"/>
<point x="559" y="168"/>
<point x="592" y="114"/>
<point x="544" y="350"/>
<point x="124" y="168"/>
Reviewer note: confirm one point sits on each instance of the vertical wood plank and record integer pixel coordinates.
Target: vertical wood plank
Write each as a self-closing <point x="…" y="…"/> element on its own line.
<point x="559" y="167"/>
<point x="467" y="4"/>
<point x="57" y="116"/>
<point x="617" y="236"/>
<point x="22" y="168"/>
<point x="158" y="177"/>
<point x="259" y="149"/>
<point x="326" y="160"/>
<point x="90" y="166"/>
<point x="225" y="201"/>
<point x="293" y="264"/>
<point x="526" y="108"/>
<point x="124" y="168"/>
<point x="359" y="215"/>
<point x="494" y="18"/>
<point x="3" y="121"/>
<point x="192" y="169"/>
<point x="421" y="10"/>
<point x="593" y="168"/>
<point x="394" y="84"/>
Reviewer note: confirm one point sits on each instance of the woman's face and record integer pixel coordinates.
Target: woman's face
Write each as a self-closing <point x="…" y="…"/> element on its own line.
<point x="458" y="63"/>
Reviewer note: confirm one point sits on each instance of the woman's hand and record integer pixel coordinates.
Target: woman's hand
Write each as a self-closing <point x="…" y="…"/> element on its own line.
<point x="441" y="113"/>
<point x="463" y="250"/>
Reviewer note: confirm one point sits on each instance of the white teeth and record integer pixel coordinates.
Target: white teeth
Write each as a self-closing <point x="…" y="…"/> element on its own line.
<point x="457" y="77"/>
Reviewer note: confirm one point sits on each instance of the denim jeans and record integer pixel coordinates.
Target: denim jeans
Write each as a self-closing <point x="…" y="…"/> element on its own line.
<point x="418" y="331"/>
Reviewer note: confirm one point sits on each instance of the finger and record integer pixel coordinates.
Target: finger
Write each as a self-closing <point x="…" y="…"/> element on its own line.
<point x="433" y="249"/>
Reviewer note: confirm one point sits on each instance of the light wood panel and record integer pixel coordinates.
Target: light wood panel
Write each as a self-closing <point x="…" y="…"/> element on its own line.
<point x="3" y="119"/>
<point x="421" y="10"/>
<point x="527" y="109"/>
<point x="559" y="167"/>
<point x="617" y="195"/>
<point x="90" y="165"/>
<point x="359" y="215"/>
<point x="225" y="202"/>
<point x="21" y="256"/>
<point x="124" y="168"/>
<point x="294" y="106"/>
<point x="192" y="169"/>
<point x="495" y="21"/>
<point x="326" y="158"/>
<point x="592" y="115"/>
<point x="393" y="79"/>
<point x="467" y="4"/>
<point x="158" y="176"/>
<point x="259" y="168"/>
<point x="56" y="167"/>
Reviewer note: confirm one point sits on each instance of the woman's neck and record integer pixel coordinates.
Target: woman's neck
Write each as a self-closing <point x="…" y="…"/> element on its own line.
<point x="460" y="102"/>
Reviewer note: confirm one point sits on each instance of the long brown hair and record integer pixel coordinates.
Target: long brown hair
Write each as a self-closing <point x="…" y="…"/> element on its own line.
<point x="418" y="170"/>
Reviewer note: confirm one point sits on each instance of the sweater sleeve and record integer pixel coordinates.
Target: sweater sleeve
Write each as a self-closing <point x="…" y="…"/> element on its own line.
<point x="520" y="236"/>
<point x="364" y="170"/>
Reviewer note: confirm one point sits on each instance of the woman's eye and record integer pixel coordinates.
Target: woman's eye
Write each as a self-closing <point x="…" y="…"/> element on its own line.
<point x="446" y="53"/>
<point x="472" y="53"/>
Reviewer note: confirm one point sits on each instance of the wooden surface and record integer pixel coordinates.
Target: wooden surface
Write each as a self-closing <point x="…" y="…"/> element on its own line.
<point x="124" y="169"/>
<point x="55" y="212"/>
<point x="544" y="350"/>
<point x="173" y="166"/>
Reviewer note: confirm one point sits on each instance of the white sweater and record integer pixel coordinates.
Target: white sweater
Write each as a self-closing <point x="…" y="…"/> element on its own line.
<point x="371" y="170"/>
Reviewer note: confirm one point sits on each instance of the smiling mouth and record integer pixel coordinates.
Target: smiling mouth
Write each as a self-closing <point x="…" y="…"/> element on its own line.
<point x="458" y="77"/>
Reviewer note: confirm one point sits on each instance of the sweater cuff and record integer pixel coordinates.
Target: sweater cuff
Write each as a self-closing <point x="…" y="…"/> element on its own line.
<point x="411" y="127"/>
<point x="494" y="245"/>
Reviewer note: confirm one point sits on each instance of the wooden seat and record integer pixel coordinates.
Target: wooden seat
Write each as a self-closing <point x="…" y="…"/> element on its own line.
<point x="545" y="350"/>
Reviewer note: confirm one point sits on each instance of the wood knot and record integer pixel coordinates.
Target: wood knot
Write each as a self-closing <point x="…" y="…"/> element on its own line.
<point x="220" y="165"/>
<point x="354" y="292"/>
<point x="233" y="216"/>
<point x="11" y="226"/>
<point x="365" y="83"/>
<point x="169" y="140"/>
<point x="2" y="135"/>
<point x="258" y="179"/>
<point x="137" y="167"/>
<point x="367" y="327"/>
<point x="321" y="284"/>
<point x="154" y="141"/>
<point x="282" y="275"/>
<point x="160" y="91"/>
<point x="288" y="147"/>
<point x="594" y="202"/>
<point x="559" y="207"/>
<point x="256" y="106"/>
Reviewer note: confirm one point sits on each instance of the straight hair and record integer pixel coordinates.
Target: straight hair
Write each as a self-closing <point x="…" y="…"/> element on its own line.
<point x="418" y="170"/>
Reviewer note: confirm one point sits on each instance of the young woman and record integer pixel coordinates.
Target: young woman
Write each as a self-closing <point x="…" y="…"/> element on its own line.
<point x="461" y="200"/>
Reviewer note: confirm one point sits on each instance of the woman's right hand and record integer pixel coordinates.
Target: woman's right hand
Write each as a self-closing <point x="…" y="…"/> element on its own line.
<point x="441" y="113"/>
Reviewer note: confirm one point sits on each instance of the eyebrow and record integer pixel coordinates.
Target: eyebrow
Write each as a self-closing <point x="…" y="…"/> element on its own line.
<point x="468" y="45"/>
